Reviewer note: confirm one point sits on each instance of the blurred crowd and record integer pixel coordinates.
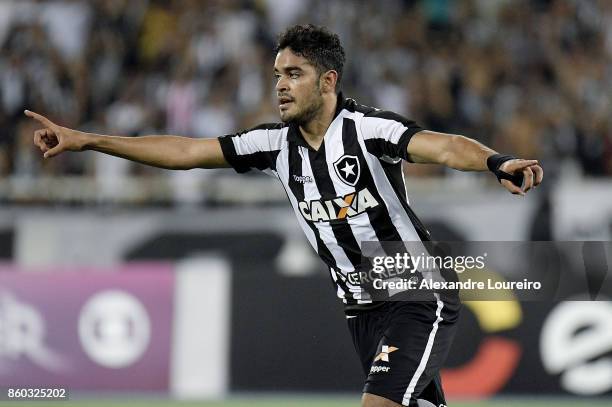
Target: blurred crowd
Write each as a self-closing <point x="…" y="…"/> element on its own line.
<point x="532" y="78"/>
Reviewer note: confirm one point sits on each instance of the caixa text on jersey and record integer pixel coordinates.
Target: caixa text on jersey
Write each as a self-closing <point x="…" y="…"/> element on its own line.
<point x="341" y="207"/>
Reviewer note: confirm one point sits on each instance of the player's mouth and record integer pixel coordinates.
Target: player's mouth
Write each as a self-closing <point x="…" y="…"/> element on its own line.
<point x="284" y="102"/>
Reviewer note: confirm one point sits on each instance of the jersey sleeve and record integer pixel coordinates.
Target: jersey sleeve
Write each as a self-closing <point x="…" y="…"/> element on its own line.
<point x="387" y="134"/>
<point x="256" y="148"/>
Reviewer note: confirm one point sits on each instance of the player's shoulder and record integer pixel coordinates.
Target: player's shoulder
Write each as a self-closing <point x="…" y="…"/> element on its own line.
<point x="370" y="112"/>
<point x="269" y="136"/>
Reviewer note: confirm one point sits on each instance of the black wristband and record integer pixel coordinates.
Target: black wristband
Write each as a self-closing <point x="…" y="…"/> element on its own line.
<point x="495" y="161"/>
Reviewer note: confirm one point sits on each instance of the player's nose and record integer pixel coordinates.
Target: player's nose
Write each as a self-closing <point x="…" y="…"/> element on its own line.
<point x="282" y="85"/>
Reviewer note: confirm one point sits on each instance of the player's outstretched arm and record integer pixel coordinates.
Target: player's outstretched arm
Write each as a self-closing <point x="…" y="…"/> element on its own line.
<point x="171" y="152"/>
<point x="461" y="153"/>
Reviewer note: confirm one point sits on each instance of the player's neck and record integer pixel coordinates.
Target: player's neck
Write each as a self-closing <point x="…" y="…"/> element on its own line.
<point x="314" y="130"/>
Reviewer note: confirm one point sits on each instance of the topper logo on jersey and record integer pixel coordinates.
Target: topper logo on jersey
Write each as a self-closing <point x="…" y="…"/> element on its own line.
<point x="347" y="169"/>
<point x="341" y="207"/>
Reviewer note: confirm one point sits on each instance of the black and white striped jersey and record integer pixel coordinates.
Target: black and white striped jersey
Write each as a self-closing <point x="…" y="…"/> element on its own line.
<point x="349" y="191"/>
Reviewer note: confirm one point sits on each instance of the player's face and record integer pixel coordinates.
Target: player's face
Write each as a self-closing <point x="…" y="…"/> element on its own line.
<point x="297" y="87"/>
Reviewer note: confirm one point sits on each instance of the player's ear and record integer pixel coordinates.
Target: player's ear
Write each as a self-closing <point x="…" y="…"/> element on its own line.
<point x="328" y="81"/>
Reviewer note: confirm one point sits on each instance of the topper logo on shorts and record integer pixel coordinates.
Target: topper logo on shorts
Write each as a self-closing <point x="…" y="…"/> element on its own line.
<point x="378" y="369"/>
<point x="383" y="356"/>
<point x="338" y="208"/>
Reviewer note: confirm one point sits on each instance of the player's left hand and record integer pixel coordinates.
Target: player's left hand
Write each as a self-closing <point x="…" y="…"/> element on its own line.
<point x="531" y="171"/>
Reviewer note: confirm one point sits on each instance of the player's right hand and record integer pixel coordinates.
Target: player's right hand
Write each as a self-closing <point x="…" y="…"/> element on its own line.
<point x="53" y="139"/>
<point x="531" y="171"/>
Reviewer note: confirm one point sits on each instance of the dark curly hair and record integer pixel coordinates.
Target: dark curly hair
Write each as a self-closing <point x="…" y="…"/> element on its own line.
<point x="318" y="45"/>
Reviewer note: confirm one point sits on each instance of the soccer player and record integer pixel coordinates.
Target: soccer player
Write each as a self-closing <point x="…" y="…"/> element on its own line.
<point x="340" y="165"/>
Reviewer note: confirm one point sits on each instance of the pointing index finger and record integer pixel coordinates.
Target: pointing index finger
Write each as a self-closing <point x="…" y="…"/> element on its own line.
<point x="521" y="164"/>
<point x="40" y="118"/>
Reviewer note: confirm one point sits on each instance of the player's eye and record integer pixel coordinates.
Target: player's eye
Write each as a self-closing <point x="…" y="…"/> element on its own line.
<point x="294" y="75"/>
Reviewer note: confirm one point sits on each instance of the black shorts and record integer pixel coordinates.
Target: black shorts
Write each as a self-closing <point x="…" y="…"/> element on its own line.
<point x="402" y="346"/>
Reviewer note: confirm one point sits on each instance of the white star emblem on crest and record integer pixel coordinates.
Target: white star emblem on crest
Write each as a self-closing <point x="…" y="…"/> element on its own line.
<point x="348" y="169"/>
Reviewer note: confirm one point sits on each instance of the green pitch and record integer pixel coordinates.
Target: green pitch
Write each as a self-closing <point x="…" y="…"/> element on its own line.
<point x="301" y="402"/>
